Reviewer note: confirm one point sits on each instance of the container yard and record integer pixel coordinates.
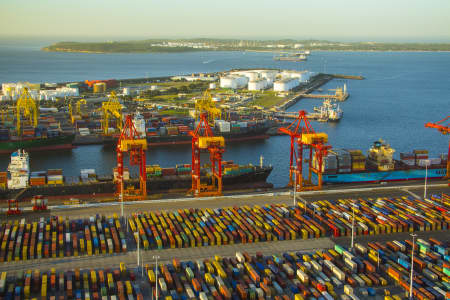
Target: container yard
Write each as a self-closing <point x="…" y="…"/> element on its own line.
<point x="188" y="228"/>
<point x="375" y="271"/>
<point x="54" y="237"/>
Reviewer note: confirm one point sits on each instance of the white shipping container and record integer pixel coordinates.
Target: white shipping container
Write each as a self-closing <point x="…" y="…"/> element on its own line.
<point x="302" y="276"/>
<point x="224" y="126"/>
<point x="423" y="162"/>
<point x="240" y="257"/>
<point x="316" y="266"/>
<point x="339" y="274"/>
<point x="435" y="161"/>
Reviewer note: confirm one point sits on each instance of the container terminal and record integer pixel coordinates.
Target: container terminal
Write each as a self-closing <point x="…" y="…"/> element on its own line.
<point x="385" y="242"/>
<point x="235" y="245"/>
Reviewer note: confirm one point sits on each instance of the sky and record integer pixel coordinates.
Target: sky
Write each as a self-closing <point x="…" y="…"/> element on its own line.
<point x="345" y="20"/>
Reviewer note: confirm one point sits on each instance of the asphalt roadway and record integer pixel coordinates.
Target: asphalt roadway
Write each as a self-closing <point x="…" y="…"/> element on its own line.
<point x="276" y="197"/>
<point x="200" y="253"/>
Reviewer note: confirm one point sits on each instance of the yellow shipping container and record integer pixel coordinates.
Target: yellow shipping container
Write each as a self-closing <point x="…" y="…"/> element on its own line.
<point x="298" y="297"/>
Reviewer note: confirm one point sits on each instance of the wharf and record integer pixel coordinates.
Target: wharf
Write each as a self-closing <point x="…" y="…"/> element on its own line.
<point x="316" y="82"/>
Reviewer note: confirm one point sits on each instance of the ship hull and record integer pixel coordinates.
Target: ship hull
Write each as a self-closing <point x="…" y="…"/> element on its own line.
<point x="38" y="144"/>
<point x="370" y="177"/>
<point x="255" y="179"/>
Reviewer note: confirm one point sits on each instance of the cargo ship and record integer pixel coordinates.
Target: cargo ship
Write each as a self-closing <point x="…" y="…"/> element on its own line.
<point x="175" y="131"/>
<point x="159" y="180"/>
<point x="37" y="143"/>
<point x="351" y="166"/>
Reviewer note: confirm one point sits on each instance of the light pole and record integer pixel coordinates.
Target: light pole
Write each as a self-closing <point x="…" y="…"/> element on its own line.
<point x="121" y="196"/>
<point x="427" y="161"/>
<point x="412" y="268"/>
<point x="353" y="226"/>
<point x="136" y="235"/>
<point x="156" y="275"/>
<point x="295" y="187"/>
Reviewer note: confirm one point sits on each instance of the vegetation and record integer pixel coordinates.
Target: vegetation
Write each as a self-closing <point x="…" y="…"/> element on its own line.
<point x="184" y="45"/>
<point x="267" y="99"/>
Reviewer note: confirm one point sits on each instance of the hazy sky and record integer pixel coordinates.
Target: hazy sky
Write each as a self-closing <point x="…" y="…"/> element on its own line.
<point x="382" y="20"/>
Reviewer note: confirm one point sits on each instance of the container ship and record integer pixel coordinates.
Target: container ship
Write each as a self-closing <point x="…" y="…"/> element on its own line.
<point x="176" y="179"/>
<point x="49" y="134"/>
<point x="351" y="166"/>
<point x="163" y="131"/>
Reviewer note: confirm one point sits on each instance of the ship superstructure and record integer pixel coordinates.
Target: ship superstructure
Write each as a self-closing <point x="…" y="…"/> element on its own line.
<point x="139" y="124"/>
<point x="19" y="170"/>
<point x="381" y="155"/>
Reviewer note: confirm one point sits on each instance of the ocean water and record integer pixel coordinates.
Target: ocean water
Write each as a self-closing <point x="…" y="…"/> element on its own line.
<point x="402" y="91"/>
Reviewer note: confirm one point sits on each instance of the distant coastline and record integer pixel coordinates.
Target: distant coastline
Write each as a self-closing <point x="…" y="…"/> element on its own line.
<point x="192" y="45"/>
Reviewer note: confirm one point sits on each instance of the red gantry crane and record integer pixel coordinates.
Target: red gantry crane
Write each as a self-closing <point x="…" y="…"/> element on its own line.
<point x="129" y="141"/>
<point x="305" y="138"/>
<point x="203" y="140"/>
<point x="444" y="128"/>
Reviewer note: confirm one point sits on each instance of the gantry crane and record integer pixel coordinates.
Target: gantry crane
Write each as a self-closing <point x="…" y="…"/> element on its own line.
<point x="129" y="141"/>
<point x="203" y="140"/>
<point x="304" y="138"/>
<point x="29" y="107"/>
<point x="206" y="105"/>
<point x="112" y="108"/>
<point x="78" y="109"/>
<point x="443" y="128"/>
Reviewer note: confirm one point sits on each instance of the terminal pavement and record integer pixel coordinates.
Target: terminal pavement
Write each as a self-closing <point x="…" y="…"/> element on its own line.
<point x="281" y="197"/>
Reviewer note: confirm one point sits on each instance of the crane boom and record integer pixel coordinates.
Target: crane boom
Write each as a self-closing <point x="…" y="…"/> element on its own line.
<point x="443" y="127"/>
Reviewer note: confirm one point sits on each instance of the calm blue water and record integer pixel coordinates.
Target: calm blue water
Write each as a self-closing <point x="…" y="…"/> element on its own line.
<point x="402" y="91"/>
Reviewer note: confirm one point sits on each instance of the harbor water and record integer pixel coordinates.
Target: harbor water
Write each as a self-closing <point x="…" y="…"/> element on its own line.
<point x="402" y="91"/>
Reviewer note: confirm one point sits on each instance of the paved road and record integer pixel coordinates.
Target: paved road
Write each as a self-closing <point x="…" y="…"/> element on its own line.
<point x="236" y="200"/>
<point x="166" y="255"/>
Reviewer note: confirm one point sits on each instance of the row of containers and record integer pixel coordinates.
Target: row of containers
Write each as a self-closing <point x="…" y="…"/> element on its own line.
<point x="168" y="127"/>
<point x="3" y="180"/>
<point x="54" y="237"/>
<point x="221" y="226"/>
<point x="347" y="161"/>
<point x="51" y="176"/>
<point x="117" y="283"/>
<point x="152" y="171"/>
<point x="361" y="273"/>
<point x="47" y="126"/>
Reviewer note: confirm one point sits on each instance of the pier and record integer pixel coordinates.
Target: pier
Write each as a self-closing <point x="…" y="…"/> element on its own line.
<point x="305" y="91"/>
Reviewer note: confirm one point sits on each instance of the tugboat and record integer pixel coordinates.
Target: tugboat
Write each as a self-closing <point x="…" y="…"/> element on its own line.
<point x="329" y="111"/>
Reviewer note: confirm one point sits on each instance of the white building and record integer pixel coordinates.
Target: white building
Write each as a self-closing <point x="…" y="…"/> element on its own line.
<point x="233" y="82"/>
<point x="259" y="85"/>
<point x="285" y="85"/>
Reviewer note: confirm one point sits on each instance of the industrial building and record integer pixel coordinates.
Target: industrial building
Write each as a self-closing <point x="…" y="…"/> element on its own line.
<point x="12" y="91"/>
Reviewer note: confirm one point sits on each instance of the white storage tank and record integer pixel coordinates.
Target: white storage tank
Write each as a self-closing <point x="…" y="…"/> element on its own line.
<point x="212" y="86"/>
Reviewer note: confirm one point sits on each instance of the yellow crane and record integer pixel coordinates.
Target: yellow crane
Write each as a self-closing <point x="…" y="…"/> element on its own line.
<point x="112" y="108"/>
<point x="78" y="109"/>
<point x="29" y="107"/>
<point x="207" y="105"/>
